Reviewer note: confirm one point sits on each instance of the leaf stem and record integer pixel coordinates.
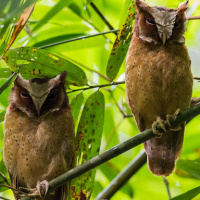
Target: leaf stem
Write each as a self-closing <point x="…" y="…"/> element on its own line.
<point x="78" y="38"/>
<point x="97" y="86"/>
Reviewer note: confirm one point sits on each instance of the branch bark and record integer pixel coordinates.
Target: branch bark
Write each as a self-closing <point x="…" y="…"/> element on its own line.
<point x="123" y="176"/>
<point x="121" y="148"/>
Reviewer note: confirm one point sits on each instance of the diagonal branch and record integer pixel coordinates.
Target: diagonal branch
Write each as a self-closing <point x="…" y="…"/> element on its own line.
<point x="121" y="148"/>
<point x="102" y="17"/>
<point x="123" y="176"/>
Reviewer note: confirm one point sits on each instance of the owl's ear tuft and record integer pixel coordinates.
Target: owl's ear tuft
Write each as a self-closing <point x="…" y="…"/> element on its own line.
<point x="183" y="6"/>
<point x="63" y="76"/>
<point x="20" y="81"/>
<point x="141" y="5"/>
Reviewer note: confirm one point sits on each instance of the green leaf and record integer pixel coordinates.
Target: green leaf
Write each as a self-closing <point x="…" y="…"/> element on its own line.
<point x="88" y="140"/>
<point x="7" y="83"/>
<point x="5" y="73"/>
<point x="188" y="195"/>
<point x="76" y="104"/>
<point x="2" y="114"/>
<point x="121" y="44"/>
<point x="40" y="63"/>
<point x="57" y="8"/>
<point x="190" y="166"/>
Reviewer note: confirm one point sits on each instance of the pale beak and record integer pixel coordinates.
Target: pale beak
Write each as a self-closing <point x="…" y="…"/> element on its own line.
<point x="38" y="102"/>
<point x="164" y="38"/>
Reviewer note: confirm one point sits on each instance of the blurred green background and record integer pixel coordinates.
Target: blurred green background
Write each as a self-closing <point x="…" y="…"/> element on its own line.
<point x="55" y="21"/>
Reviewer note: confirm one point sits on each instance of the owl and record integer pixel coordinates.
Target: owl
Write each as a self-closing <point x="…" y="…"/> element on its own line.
<point x="39" y="139"/>
<point x="159" y="79"/>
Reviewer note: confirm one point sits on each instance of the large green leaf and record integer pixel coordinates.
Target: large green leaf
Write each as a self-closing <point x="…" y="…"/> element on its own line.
<point x="121" y="44"/>
<point x="76" y="104"/>
<point x="5" y="73"/>
<point x="88" y="140"/>
<point x="188" y="195"/>
<point x="40" y="63"/>
<point x="190" y="166"/>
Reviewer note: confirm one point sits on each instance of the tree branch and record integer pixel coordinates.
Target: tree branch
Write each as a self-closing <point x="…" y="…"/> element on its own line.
<point x="123" y="176"/>
<point x="121" y="148"/>
<point x="193" y="17"/>
<point x="78" y="38"/>
<point x="102" y="17"/>
<point x="97" y="86"/>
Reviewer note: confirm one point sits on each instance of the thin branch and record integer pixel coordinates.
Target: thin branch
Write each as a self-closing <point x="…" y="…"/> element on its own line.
<point x="97" y="86"/>
<point x="78" y="38"/>
<point x="167" y="186"/>
<point x="121" y="148"/>
<point x="102" y="16"/>
<point x="123" y="176"/>
<point x="4" y="179"/>
<point x="193" y="17"/>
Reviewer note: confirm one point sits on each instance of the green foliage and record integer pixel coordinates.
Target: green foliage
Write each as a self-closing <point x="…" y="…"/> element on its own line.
<point x="40" y="64"/>
<point x="190" y="166"/>
<point x="56" y="21"/>
<point x="88" y="140"/>
<point x="188" y="195"/>
<point x="121" y="44"/>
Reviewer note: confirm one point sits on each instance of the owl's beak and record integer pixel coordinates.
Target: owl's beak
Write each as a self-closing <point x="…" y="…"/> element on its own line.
<point x="164" y="38"/>
<point x="38" y="102"/>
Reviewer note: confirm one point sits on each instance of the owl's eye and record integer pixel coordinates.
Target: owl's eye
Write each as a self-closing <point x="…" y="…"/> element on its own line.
<point x="53" y="95"/>
<point x="177" y="24"/>
<point x="25" y="95"/>
<point x="150" y="22"/>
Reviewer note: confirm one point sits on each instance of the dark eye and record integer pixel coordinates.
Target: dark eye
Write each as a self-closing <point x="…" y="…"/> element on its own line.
<point x="52" y="95"/>
<point x="150" y="22"/>
<point x="177" y="24"/>
<point x="25" y="95"/>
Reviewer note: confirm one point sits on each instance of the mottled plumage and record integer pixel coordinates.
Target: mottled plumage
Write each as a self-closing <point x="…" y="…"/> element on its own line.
<point x="39" y="140"/>
<point x="159" y="79"/>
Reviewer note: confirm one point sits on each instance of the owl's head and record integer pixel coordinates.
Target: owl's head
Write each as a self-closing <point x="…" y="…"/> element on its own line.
<point x="160" y="24"/>
<point x="36" y="97"/>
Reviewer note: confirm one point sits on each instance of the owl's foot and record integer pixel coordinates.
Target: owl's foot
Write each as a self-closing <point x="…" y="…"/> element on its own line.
<point x="158" y="121"/>
<point x="168" y="117"/>
<point x="42" y="188"/>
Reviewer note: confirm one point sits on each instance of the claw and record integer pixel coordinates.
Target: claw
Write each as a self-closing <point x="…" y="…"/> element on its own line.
<point x="168" y="117"/>
<point x="42" y="188"/>
<point x="158" y="121"/>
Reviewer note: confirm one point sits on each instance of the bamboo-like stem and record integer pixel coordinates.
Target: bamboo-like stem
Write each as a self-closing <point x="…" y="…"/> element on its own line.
<point x="123" y="176"/>
<point x="78" y="38"/>
<point x="193" y="17"/>
<point x="102" y="17"/>
<point x="97" y="86"/>
<point x="167" y="186"/>
<point x="121" y="148"/>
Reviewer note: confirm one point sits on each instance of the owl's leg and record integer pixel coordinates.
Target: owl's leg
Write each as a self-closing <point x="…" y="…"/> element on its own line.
<point x="158" y="121"/>
<point x="168" y="117"/>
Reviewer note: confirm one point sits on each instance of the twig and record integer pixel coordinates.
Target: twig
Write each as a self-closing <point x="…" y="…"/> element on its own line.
<point x="78" y="38"/>
<point x="13" y="189"/>
<point x="121" y="148"/>
<point x="193" y="17"/>
<point x="102" y="16"/>
<point x="97" y="86"/>
<point x="4" y="179"/>
<point x="123" y="176"/>
<point x="167" y="187"/>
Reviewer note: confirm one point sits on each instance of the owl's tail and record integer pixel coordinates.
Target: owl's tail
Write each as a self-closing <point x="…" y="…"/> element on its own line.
<point x="163" y="152"/>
